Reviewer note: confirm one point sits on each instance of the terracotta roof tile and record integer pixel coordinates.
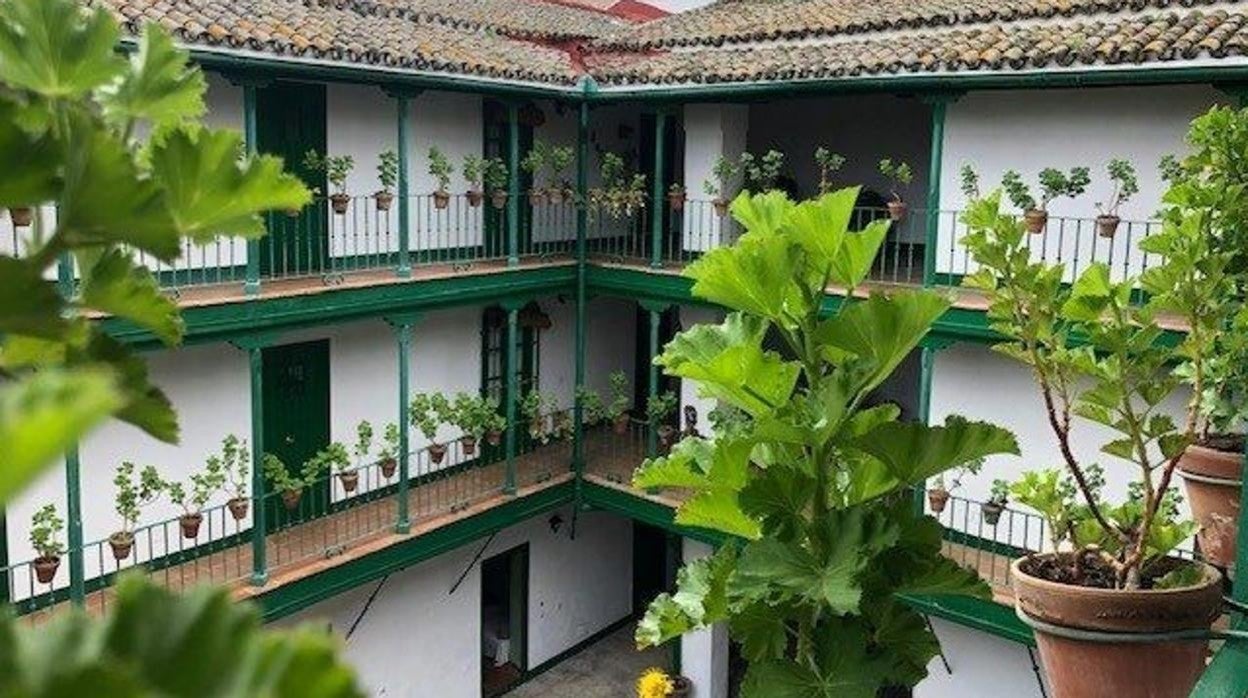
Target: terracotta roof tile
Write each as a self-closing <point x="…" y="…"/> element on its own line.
<point x="525" y="19"/>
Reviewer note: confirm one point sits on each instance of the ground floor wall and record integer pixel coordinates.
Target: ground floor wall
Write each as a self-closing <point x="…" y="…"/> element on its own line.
<point x="974" y="663"/>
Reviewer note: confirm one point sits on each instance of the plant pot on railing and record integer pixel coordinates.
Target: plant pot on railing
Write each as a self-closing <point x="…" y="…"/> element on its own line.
<point x="389" y="467"/>
<point x="537" y="196"/>
<point x="720" y="205"/>
<point x="340" y="203"/>
<point x="190" y="524"/>
<point x="45" y="568"/>
<point x="620" y="424"/>
<point x="555" y="196"/>
<point x="384" y="200"/>
<point x="122" y="542"/>
<point x="897" y="210"/>
<point x="938" y="498"/>
<point x="498" y="199"/>
<point x="667" y="436"/>
<point x="1078" y="664"/>
<point x="437" y="452"/>
<point x="676" y="200"/>
<point x="350" y="480"/>
<point x="681" y="687"/>
<point x="494" y="437"/>
<point x="238" y="507"/>
<point x="475" y="197"/>
<point x="1035" y="219"/>
<point x="441" y="199"/>
<point x="1107" y="225"/>
<point x="1213" y="477"/>
<point x="469" y="444"/>
<point x="290" y="498"/>
<point x="22" y="216"/>
<point x="991" y="512"/>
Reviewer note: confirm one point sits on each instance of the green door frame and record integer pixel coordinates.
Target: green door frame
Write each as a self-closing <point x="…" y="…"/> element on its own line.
<point x="517" y="560"/>
<point x="494" y="145"/>
<point x="296" y="377"/>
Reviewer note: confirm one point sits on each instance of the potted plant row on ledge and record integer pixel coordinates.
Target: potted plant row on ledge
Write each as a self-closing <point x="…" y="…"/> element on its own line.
<point x="1112" y="608"/>
<point x="476" y="417"/>
<point x="614" y="411"/>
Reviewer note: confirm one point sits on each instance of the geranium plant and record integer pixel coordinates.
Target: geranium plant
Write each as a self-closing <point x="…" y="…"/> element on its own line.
<point x="477" y="417"/>
<point x="938" y="493"/>
<point x="722" y="174"/>
<point x="195" y="495"/>
<point x="900" y="176"/>
<point x="495" y="178"/>
<point x="535" y="163"/>
<point x="427" y="412"/>
<point x="474" y="174"/>
<point x="45" y="537"/>
<point x="235" y="461"/>
<point x="1126" y="185"/>
<point x="621" y="193"/>
<point x="538" y="410"/>
<point x="827" y="162"/>
<point x="131" y="497"/>
<point x="762" y="171"/>
<point x="659" y="408"/>
<point x="558" y="159"/>
<point x="388" y="175"/>
<point x="336" y="168"/>
<point x="1053" y="184"/>
<point x="440" y="169"/>
<point x="998" y="497"/>
<point x="388" y="452"/>
<point x="288" y="485"/>
<point x="621" y="401"/>
<point x="812" y="485"/>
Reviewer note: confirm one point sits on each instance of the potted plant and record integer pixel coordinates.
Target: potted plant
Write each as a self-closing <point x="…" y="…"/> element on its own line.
<point x="998" y="497"/>
<point x="1119" y="578"/>
<point x="621" y="400"/>
<point x="283" y="481"/>
<point x="621" y="194"/>
<point x="469" y="414"/>
<point x="593" y="409"/>
<point x="1053" y="183"/>
<point x="558" y="159"/>
<point x="495" y="180"/>
<point x="474" y="174"/>
<point x="129" y="501"/>
<point x="717" y="187"/>
<point x="534" y="162"/>
<point x="938" y="494"/>
<point x="1054" y="495"/>
<point x="45" y="531"/>
<point x="900" y="176"/>
<point x="427" y="411"/>
<point x="676" y="196"/>
<point x="235" y="466"/>
<point x="363" y="447"/>
<point x="538" y="409"/>
<point x="336" y="169"/>
<point x="827" y="162"/>
<point x="762" y="172"/>
<point x="193" y="499"/>
<point x="335" y="459"/>
<point x="388" y="453"/>
<point x="388" y="175"/>
<point x="658" y="409"/>
<point x="22" y="216"/>
<point x="440" y="169"/>
<point x="1122" y="174"/>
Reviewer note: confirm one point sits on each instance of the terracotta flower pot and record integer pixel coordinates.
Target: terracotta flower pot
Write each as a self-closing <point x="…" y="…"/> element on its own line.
<point x="190" y="524"/>
<point x="441" y="199"/>
<point x="554" y="196"/>
<point x="384" y="200"/>
<point x="437" y="452"/>
<point x="470" y="445"/>
<point x="666" y="435"/>
<point x="537" y="196"/>
<point x="388" y="467"/>
<point x="122" y="542"/>
<point x="681" y="687"/>
<point x="1107" y="225"/>
<point x="45" y="568"/>
<point x="721" y="206"/>
<point x="1079" y="667"/>
<point x="494" y="438"/>
<point x="238" y="507"/>
<point x="620" y="424"/>
<point x="1035" y="219"/>
<point x="676" y="201"/>
<point x="22" y="216"/>
<point x="340" y="203"/>
<point x="992" y="512"/>
<point x="350" y="480"/>
<point x="475" y="197"/>
<point x="498" y="198"/>
<point x="937" y="498"/>
<point x="897" y="210"/>
<point x="1213" y="479"/>
<point x="291" y="498"/>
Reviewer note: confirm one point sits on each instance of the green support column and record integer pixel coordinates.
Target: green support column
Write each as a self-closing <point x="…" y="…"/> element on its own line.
<point x="404" y="269"/>
<point x="73" y="527"/>
<point x="513" y="393"/>
<point x="656" y="205"/>
<point x="513" y="184"/>
<point x="582" y="225"/>
<point x="251" y="286"/>
<point x="939" y="103"/>
<point x="927" y="364"/>
<point x="259" y="527"/>
<point x="652" y="433"/>
<point x="4" y="556"/>
<point x="402" y="325"/>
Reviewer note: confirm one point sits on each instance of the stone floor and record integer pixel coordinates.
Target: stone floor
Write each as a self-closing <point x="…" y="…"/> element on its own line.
<point x="606" y="669"/>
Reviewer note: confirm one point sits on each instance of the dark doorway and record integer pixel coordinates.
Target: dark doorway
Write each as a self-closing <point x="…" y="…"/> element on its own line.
<point x="656" y="557"/>
<point x="494" y="114"/>
<point x="296" y="419"/>
<point x="290" y="121"/>
<point x="504" y="620"/>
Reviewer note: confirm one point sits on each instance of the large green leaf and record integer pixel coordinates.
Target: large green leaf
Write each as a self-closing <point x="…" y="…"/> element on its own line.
<point x="29" y="304"/>
<point x="762" y="214"/>
<point x="843" y="667"/>
<point x="144" y="405"/>
<point x="883" y="330"/>
<point x="44" y="413"/>
<point x="161" y="87"/>
<point x="940" y="576"/>
<point x="820" y="225"/>
<point x="211" y="192"/>
<point x="57" y="48"/>
<point x="718" y="510"/>
<point x="913" y="452"/>
<point x="760" y="628"/>
<point x="153" y="642"/>
<point x="31" y="162"/>
<point x="759" y="275"/>
<point x="117" y="286"/>
<point x="858" y="253"/>
<point x="701" y="598"/>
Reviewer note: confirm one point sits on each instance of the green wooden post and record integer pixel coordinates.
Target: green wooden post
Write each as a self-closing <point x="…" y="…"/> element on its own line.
<point x="939" y="103"/>
<point x="259" y="527"/>
<point x="582" y="225"/>
<point x="657" y="207"/>
<point x="73" y="526"/>
<point x="403" y="334"/>
<point x="251" y="285"/>
<point x="513" y="392"/>
<point x="7" y="577"/>
<point x="404" y="269"/>
<point x="652" y="432"/>
<point x="513" y="184"/>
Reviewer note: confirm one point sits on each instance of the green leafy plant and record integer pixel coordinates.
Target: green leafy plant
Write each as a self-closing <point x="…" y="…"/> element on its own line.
<point x="334" y="458"/>
<point x="494" y="173"/>
<point x="1053" y="184"/>
<point x="475" y="415"/>
<point x="1126" y="185"/>
<point x="813" y="487"/>
<point x="722" y="174"/>
<point x="621" y="193"/>
<point x="363" y="442"/>
<point x="827" y="162"/>
<point x="389" y="449"/>
<point x="474" y="170"/>
<point x="132" y="495"/>
<point x="235" y="465"/>
<point x="956" y="475"/>
<point x="202" y="486"/>
<point x="559" y="158"/>
<point x="899" y="174"/>
<point x="660" y="407"/>
<point x="1000" y="492"/>
<point x="968" y="180"/>
<point x="440" y="168"/>
<point x="1053" y="494"/>
<point x="428" y="411"/>
<point x="761" y="172"/>
<point x="538" y="410"/>
<point x="280" y="478"/>
<point x="45" y="532"/>
<point x="593" y="409"/>
<point x="388" y="170"/>
<point x="336" y="168"/>
<point x="621" y="395"/>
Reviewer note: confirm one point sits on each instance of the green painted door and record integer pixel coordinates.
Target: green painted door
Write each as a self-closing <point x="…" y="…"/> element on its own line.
<point x="296" y="418"/>
<point x="290" y="120"/>
<point x="495" y="146"/>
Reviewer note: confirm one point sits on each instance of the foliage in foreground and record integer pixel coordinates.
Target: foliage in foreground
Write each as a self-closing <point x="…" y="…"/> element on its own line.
<point x="812" y="485"/>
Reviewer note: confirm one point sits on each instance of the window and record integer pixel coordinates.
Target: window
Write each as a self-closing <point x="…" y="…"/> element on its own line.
<point x="528" y="350"/>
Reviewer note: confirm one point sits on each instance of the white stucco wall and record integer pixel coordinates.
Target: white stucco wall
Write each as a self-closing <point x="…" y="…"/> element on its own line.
<point x="691" y="315"/>
<point x="1030" y="130"/>
<point x="418" y="640"/>
<point x="711" y="131"/>
<point x="979" y="665"/>
<point x="610" y="342"/>
<point x="704" y="653"/>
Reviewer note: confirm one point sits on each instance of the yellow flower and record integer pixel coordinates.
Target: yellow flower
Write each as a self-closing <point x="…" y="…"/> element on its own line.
<point x="654" y="683"/>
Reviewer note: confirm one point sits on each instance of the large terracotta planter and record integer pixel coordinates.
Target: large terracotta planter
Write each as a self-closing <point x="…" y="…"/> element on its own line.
<point x="1082" y="668"/>
<point x="1213" y="480"/>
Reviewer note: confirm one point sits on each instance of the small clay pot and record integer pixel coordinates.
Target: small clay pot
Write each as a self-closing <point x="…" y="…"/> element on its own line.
<point x="1107" y="226"/>
<point x="1076" y="667"/>
<point x="620" y="424"/>
<point x="350" y="480"/>
<point x="22" y="216"/>
<point x="475" y="197"/>
<point x="388" y="467"/>
<point x="498" y="198"/>
<point x="681" y="687"/>
<point x="555" y="196"/>
<point x="676" y="201"/>
<point x="992" y="512"/>
<point x="441" y="199"/>
<point x="437" y="452"/>
<point x="937" y="498"/>
<point x="537" y="196"/>
<point x="721" y="206"/>
<point x="494" y="438"/>
<point x="238" y="507"/>
<point x="122" y="542"/>
<point x="291" y="498"/>
<point x="897" y="210"/>
<point x="1213" y="480"/>
<point x="666" y="435"/>
<point x="45" y="568"/>
<point x="340" y="203"/>
<point x="470" y="445"/>
<point x="1035" y="219"/>
<point x="384" y="200"/>
<point x="190" y="524"/>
